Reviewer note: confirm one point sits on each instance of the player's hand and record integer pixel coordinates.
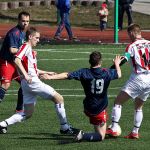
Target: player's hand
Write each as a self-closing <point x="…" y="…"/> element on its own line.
<point x="45" y="76"/>
<point x="28" y="79"/>
<point x="118" y="59"/>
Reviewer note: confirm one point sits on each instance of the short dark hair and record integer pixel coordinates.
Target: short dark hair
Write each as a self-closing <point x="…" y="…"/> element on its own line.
<point x="134" y="27"/>
<point x="95" y="58"/>
<point x="31" y="31"/>
<point x="23" y="13"/>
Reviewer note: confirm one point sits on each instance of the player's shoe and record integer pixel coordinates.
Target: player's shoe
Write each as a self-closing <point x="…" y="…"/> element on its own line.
<point x="79" y="136"/>
<point x="57" y="38"/>
<point x="74" y="39"/>
<point x="111" y="133"/>
<point x="3" y="130"/>
<point x="132" y="136"/>
<point x="70" y="131"/>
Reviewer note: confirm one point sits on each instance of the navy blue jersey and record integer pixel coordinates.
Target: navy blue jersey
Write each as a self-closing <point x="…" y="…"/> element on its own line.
<point x="95" y="82"/>
<point x="14" y="38"/>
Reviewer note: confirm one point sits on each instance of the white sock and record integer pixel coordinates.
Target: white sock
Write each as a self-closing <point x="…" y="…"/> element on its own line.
<point x="138" y="117"/>
<point x="116" y="114"/>
<point x="13" y="119"/>
<point x="61" y="113"/>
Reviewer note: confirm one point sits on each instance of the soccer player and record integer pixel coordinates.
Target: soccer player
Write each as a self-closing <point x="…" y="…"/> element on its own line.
<point x="138" y="85"/>
<point x="95" y="81"/>
<point x="12" y="41"/>
<point x="32" y="86"/>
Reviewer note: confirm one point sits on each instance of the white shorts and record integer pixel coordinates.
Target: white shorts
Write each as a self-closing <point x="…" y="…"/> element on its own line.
<point x="138" y="86"/>
<point x="36" y="88"/>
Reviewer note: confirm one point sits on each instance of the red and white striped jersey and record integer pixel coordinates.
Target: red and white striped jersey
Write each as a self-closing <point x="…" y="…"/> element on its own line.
<point x="29" y="61"/>
<point x="140" y="55"/>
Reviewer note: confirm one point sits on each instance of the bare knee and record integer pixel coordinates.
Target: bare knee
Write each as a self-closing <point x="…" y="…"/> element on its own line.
<point x="58" y="98"/>
<point x="5" y="85"/>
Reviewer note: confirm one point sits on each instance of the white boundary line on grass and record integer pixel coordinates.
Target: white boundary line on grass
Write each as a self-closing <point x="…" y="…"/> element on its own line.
<point x="79" y="89"/>
<point x="68" y="95"/>
<point x="68" y="49"/>
<point x="76" y="52"/>
<point x="63" y="59"/>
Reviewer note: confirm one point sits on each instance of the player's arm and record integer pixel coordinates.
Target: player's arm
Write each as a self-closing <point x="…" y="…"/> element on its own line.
<point x="59" y="76"/>
<point x="22" y="69"/>
<point x="41" y="72"/>
<point x="117" y="61"/>
<point x="124" y="59"/>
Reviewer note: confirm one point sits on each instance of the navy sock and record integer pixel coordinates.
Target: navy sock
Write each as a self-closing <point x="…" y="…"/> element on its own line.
<point x="2" y="93"/>
<point x="92" y="137"/>
<point x="20" y="100"/>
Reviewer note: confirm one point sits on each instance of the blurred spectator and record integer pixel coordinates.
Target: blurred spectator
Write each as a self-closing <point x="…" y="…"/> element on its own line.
<point x="63" y="7"/>
<point x="125" y="6"/>
<point x="103" y="13"/>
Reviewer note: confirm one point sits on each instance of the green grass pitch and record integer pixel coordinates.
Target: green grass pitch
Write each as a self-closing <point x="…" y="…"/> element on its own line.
<point x="41" y="132"/>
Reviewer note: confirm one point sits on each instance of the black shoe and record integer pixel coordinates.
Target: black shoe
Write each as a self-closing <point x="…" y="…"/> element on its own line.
<point x="3" y="130"/>
<point x="70" y="131"/>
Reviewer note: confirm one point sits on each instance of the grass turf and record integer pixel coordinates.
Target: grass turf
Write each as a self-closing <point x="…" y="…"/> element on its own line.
<point x="42" y="130"/>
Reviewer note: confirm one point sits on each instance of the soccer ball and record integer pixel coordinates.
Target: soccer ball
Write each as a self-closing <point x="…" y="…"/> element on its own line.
<point x="3" y="130"/>
<point x="118" y="131"/>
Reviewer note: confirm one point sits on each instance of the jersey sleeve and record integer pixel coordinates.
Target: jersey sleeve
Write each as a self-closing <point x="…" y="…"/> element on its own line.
<point x="14" y="40"/>
<point x="113" y="74"/>
<point x="23" y="51"/>
<point x="75" y="75"/>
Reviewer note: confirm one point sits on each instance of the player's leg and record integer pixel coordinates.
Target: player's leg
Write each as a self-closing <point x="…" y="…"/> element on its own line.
<point x="17" y="117"/>
<point x="99" y="123"/>
<point x="29" y="103"/>
<point x="138" y="117"/>
<point x="19" y="107"/>
<point x="116" y="113"/>
<point x="48" y="92"/>
<point x="6" y="73"/>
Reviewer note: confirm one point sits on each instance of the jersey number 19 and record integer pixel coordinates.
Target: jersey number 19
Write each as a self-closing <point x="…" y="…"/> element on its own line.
<point x="97" y="86"/>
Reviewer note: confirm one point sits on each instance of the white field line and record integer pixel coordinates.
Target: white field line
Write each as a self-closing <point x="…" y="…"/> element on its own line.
<point x="10" y="92"/>
<point x="79" y="89"/>
<point x="69" y="49"/>
<point x="69" y="95"/>
<point x="63" y="59"/>
<point x="58" y="51"/>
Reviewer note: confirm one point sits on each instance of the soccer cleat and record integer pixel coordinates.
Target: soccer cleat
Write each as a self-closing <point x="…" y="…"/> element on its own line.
<point x="3" y="130"/>
<point x="111" y="133"/>
<point x="79" y="136"/>
<point x="132" y="136"/>
<point x="70" y="131"/>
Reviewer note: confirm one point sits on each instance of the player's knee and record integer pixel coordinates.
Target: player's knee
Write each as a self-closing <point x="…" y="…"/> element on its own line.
<point x="58" y="98"/>
<point x="5" y="85"/>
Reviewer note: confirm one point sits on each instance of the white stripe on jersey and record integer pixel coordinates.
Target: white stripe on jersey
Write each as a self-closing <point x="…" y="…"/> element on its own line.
<point x="140" y="55"/>
<point x="28" y="58"/>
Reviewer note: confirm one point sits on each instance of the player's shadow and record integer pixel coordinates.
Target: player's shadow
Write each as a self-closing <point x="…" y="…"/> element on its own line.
<point x="62" y="139"/>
